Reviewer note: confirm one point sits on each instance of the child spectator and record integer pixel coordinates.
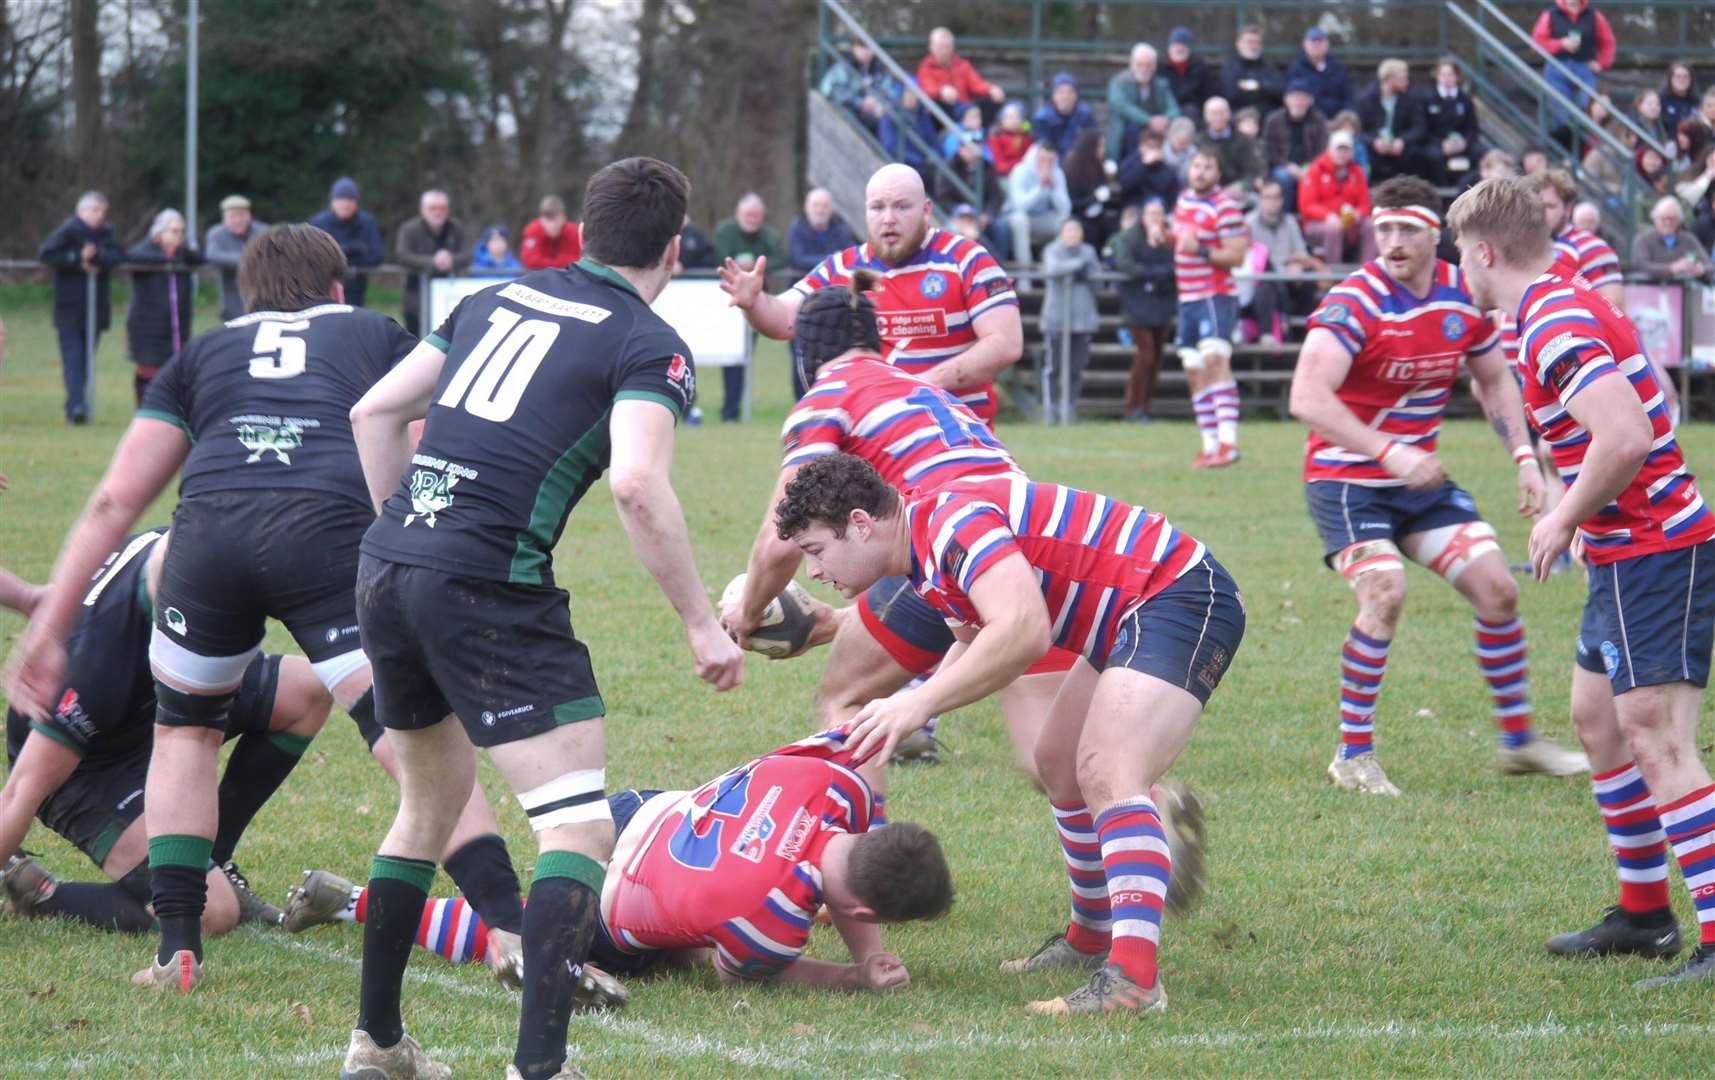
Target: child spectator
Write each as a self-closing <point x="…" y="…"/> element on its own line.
<point x="1010" y="139"/>
<point x="494" y="253"/>
<point x="1069" y="304"/>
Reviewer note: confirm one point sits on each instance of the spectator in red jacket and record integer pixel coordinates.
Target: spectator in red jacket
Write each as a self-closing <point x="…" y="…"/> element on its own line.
<point x="1010" y="140"/>
<point x="1580" y="38"/>
<point x="949" y="79"/>
<point x="1334" y="204"/>
<point x="550" y="240"/>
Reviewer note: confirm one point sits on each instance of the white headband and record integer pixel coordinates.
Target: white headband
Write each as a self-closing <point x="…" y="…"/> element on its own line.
<point x="1409" y="215"/>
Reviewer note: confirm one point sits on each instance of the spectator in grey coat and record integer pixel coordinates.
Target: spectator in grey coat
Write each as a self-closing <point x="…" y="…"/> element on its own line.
<point x="356" y="232"/>
<point x="223" y="245"/>
<point x="433" y="243"/>
<point x="1069" y="304"/>
<point x="84" y="244"/>
<point x="1670" y="249"/>
<point x="1037" y="200"/>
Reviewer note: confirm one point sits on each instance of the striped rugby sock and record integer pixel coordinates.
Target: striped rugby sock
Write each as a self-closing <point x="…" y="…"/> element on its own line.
<point x="1203" y="404"/>
<point x="1137" y="866"/>
<point x="1502" y="656"/>
<point x="1363" y="662"/>
<point x="1690" y="826"/>
<point x="1226" y="397"/>
<point x="1635" y="834"/>
<point x="1091" y="919"/>
<point x="452" y="928"/>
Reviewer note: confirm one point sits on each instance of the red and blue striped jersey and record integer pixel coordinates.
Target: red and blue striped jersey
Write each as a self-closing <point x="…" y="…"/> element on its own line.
<point x="1406" y="352"/>
<point x="1588" y="255"/>
<point x="928" y="305"/>
<point x="1216" y="217"/>
<point x="736" y="865"/>
<point x="916" y="435"/>
<point x="1096" y="558"/>
<point x="1570" y="336"/>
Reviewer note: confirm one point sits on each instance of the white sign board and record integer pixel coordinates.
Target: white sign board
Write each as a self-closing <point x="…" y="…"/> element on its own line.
<point x="445" y="294"/>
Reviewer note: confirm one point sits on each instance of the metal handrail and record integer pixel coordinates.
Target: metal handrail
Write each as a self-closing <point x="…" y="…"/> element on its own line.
<point x="887" y="61"/>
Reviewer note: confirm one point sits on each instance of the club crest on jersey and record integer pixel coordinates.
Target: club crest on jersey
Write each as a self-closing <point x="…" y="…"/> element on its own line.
<point x="431" y="492"/>
<point x="262" y="440"/>
<point x="683" y="377"/>
<point x="753" y="839"/>
<point x="932" y="285"/>
<point x="1337" y="313"/>
<point x="72" y="714"/>
<point x="1453" y="327"/>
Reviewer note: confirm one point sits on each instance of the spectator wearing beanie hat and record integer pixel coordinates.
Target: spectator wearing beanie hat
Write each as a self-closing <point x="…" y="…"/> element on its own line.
<point x="1059" y="122"/>
<point x="356" y="232"/>
<point x="1191" y="80"/>
<point x="1326" y="75"/>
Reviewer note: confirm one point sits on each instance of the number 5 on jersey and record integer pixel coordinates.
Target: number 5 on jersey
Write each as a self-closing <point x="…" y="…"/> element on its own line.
<point x="491" y="380"/>
<point x="289" y="352"/>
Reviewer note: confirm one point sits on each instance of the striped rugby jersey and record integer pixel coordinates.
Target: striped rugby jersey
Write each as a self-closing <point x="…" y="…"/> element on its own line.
<point x="1216" y="217"/>
<point x="1406" y="352"/>
<point x="1096" y="558"/>
<point x="1575" y="252"/>
<point x="927" y="306"/>
<point x="914" y="434"/>
<point x="736" y="865"/>
<point x="1570" y="336"/>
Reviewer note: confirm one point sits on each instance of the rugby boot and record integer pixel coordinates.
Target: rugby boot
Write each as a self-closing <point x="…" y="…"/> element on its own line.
<point x="1698" y="967"/>
<point x="1204" y="459"/>
<point x="566" y="1072"/>
<point x="1181" y="813"/>
<point x="181" y="972"/>
<point x="404" y="1060"/>
<point x="1224" y="455"/>
<point x="505" y="957"/>
<point x="1362" y="774"/>
<point x="251" y="908"/>
<point x="1109" y="990"/>
<point x="1654" y="934"/>
<point x="597" y="991"/>
<point x="24" y="883"/>
<point x="1056" y="954"/>
<point x="918" y="748"/>
<point x="317" y="899"/>
<point x="1541" y="755"/>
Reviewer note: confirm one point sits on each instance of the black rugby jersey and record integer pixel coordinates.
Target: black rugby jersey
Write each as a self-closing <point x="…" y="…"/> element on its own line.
<point x="518" y="428"/>
<point x="266" y="399"/>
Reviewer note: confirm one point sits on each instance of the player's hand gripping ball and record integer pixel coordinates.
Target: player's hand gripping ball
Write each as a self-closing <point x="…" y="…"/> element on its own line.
<point x="786" y="622"/>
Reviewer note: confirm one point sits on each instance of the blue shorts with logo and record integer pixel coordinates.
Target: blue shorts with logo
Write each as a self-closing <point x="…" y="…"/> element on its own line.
<point x="1215" y="317"/>
<point x="1346" y="514"/>
<point x="1651" y="620"/>
<point x="1186" y="634"/>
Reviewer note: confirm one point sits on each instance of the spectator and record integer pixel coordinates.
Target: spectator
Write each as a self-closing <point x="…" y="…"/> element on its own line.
<point x="1697" y="132"/>
<point x="1497" y="164"/>
<point x="494" y="253"/>
<point x="970" y="165"/>
<point x="949" y="78"/>
<point x="1009" y="140"/>
<point x="1594" y="159"/>
<point x="1678" y="96"/>
<point x="1180" y="145"/>
<point x="552" y="241"/>
<point x="1694" y="183"/>
<point x="1393" y="123"/>
<point x="969" y="119"/>
<point x="355" y="231"/>
<point x="1247" y="80"/>
<point x="1329" y="85"/>
<point x="222" y="246"/>
<point x="1064" y="117"/>
<point x="1086" y="183"/>
<point x="1588" y="216"/>
<point x="1037" y="200"/>
<point x="1348" y="121"/>
<point x="1670" y="249"/>
<point x="818" y="233"/>
<point x="1655" y="172"/>
<point x="1277" y="229"/>
<point x="1129" y="216"/>
<point x="1293" y="135"/>
<point x="1149" y="295"/>
<point x="1138" y="98"/>
<point x="911" y="116"/>
<point x="857" y="83"/>
<point x="158" y="322"/>
<point x="433" y="243"/>
<point x="1189" y="80"/>
<point x="1646" y="112"/>
<point x="1533" y="160"/>
<point x="1703" y="227"/>
<point x="1145" y="173"/>
<point x="1334" y="204"/>
<point x="746" y="239"/>
<point x="83" y="244"/>
<point x="1248" y="122"/>
<point x="1453" y="145"/>
<point x="973" y="224"/>
<point x="1580" y="38"/>
<point x="696" y="250"/>
<point x="1068" y="317"/>
<point x="1242" y="165"/>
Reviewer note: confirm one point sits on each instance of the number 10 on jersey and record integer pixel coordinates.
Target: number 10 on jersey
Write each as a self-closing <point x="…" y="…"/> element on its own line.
<point x="490" y="381"/>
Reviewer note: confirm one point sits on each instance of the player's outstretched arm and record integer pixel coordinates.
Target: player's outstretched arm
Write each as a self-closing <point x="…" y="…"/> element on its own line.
<point x="1620" y="439"/>
<point x="1323" y="364"/>
<point x="1494" y="387"/>
<point x="642" y="436"/>
<point x="999" y="344"/>
<point x="42" y="768"/>
<point x="769" y="315"/>
<point x="381" y="419"/>
<point x="148" y="455"/>
<point x="773" y="562"/>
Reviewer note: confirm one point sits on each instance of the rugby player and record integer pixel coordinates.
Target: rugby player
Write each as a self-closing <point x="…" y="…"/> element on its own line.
<point x="947" y="310"/>
<point x="738" y="866"/>
<point x="530" y="388"/>
<point x="1210" y="242"/>
<point x="1374" y="376"/>
<point x="1649" y="620"/>
<point x="272" y="508"/>
<point x="1022" y="566"/>
<point x="81" y="771"/>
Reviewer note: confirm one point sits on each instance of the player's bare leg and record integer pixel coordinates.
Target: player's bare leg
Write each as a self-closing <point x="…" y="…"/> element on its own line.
<point x="1380" y="590"/>
<point x="1024" y="707"/>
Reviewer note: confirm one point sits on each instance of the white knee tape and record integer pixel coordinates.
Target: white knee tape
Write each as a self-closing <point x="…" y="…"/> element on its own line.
<point x="337" y="669"/>
<point x="1214" y="346"/>
<point x="1190" y="359"/>
<point x="1451" y="548"/>
<point x="193" y="671"/>
<point x="1367" y="557"/>
<point x="569" y="799"/>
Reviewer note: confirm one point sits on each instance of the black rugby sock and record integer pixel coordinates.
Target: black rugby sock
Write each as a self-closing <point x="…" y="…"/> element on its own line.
<point x="482" y="870"/>
<point x="398" y="889"/>
<point x="178" y="880"/>
<point x="559" y="922"/>
<point x="106" y="906"/>
<point x="257" y="767"/>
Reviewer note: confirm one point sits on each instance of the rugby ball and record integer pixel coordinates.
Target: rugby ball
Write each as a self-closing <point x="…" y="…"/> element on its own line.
<point x="786" y="622"/>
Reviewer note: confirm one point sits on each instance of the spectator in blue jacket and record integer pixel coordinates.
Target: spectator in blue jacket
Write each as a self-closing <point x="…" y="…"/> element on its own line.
<point x="910" y="114"/>
<point x="1326" y="76"/>
<point x="355" y="231"/>
<point x="1064" y="118"/>
<point x="970" y="120"/>
<point x="84" y="244"/>
<point x="494" y="253"/>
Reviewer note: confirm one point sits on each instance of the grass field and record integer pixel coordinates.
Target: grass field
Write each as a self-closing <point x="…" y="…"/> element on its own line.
<point x="1341" y="935"/>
